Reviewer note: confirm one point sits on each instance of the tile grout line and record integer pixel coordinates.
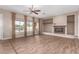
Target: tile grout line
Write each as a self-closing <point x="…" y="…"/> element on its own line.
<point x="13" y="47"/>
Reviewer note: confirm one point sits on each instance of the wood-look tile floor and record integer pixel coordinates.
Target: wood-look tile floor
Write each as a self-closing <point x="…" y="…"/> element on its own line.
<point x="41" y="44"/>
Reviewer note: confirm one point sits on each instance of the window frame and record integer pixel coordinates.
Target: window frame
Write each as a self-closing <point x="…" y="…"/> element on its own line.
<point x="19" y="25"/>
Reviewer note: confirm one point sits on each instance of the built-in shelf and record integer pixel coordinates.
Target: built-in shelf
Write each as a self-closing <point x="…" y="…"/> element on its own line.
<point x="70" y="24"/>
<point x="48" y="21"/>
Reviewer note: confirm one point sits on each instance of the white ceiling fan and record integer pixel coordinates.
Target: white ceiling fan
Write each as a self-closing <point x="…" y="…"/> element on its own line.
<point x="32" y="9"/>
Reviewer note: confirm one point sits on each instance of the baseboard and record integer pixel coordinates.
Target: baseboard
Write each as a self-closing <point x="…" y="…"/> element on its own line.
<point x="1" y="39"/>
<point x="78" y="37"/>
<point x="7" y="38"/>
<point x="60" y="35"/>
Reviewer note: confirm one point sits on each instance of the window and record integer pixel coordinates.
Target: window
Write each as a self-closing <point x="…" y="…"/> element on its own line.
<point x="19" y="26"/>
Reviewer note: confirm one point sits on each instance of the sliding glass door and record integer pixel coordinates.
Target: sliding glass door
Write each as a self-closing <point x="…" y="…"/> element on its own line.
<point x="32" y="27"/>
<point x="29" y="26"/>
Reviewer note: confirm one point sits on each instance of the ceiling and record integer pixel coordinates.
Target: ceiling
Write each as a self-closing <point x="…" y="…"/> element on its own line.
<point x="46" y="10"/>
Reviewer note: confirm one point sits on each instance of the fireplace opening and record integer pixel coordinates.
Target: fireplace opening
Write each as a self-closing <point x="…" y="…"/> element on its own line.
<point x="59" y="29"/>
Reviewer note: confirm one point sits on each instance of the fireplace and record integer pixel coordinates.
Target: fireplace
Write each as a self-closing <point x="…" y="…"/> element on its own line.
<point x="59" y="29"/>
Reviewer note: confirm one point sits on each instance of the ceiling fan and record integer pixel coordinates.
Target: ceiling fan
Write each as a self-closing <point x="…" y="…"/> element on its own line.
<point x="33" y="10"/>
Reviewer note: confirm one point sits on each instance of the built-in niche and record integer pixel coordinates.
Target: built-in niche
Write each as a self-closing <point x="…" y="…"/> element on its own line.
<point x="47" y="25"/>
<point x="70" y="24"/>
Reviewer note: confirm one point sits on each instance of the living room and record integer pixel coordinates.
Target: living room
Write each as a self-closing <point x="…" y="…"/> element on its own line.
<point x="28" y="28"/>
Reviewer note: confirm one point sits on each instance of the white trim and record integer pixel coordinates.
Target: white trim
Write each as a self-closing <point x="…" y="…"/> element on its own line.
<point x="60" y="35"/>
<point x="6" y="38"/>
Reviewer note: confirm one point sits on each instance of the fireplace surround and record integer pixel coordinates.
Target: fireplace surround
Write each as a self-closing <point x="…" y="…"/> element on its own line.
<point x="59" y="29"/>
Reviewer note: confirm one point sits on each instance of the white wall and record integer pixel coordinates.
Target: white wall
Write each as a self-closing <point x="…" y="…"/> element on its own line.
<point x="7" y="28"/>
<point x="7" y="32"/>
<point x="37" y="30"/>
<point x="7" y="25"/>
<point x="1" y="26"/>
<point x="78" y="28"/>
<point x="78" y="25"/>
<point x="60" y="20"/>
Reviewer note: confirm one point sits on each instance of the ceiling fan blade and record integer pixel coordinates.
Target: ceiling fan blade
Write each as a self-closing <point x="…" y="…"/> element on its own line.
<point x="32" y="10"/>
<point x="37" y="10"/>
